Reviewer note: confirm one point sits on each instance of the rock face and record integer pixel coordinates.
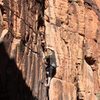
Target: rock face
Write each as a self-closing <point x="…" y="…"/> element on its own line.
<point x="71" y="28"/>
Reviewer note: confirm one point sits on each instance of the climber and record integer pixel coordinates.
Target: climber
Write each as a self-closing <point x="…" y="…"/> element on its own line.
<point x="50" y="62"/>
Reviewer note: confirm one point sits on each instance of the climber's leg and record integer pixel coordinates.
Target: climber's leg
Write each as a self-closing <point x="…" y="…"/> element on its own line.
<point x="48" y="82"/>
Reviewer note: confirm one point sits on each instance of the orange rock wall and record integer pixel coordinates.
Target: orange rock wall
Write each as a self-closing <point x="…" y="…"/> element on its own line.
<point x="72" y="30"/>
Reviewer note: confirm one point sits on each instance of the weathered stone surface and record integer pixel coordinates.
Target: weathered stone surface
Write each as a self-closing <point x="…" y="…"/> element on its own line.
<point x="62" y="90"/>
<point x="74" y="39"/>
<point x="71" y="28"/>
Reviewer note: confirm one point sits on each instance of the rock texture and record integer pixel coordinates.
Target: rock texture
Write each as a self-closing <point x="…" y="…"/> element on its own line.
<point x="72" y="29"/>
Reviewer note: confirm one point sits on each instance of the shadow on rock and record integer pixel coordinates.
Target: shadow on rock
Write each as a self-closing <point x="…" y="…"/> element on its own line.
<point x="12" y="84"/>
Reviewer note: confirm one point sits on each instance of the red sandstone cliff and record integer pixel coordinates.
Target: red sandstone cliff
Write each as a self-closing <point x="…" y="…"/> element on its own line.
<point x="72" y="29"/>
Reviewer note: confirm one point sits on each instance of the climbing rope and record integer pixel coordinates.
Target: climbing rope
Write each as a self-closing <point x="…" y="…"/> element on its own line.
<point x="34" y="52"/>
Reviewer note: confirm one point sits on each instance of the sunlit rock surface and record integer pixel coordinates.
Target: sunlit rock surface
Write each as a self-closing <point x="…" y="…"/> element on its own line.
<point x="72" y="29"/>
